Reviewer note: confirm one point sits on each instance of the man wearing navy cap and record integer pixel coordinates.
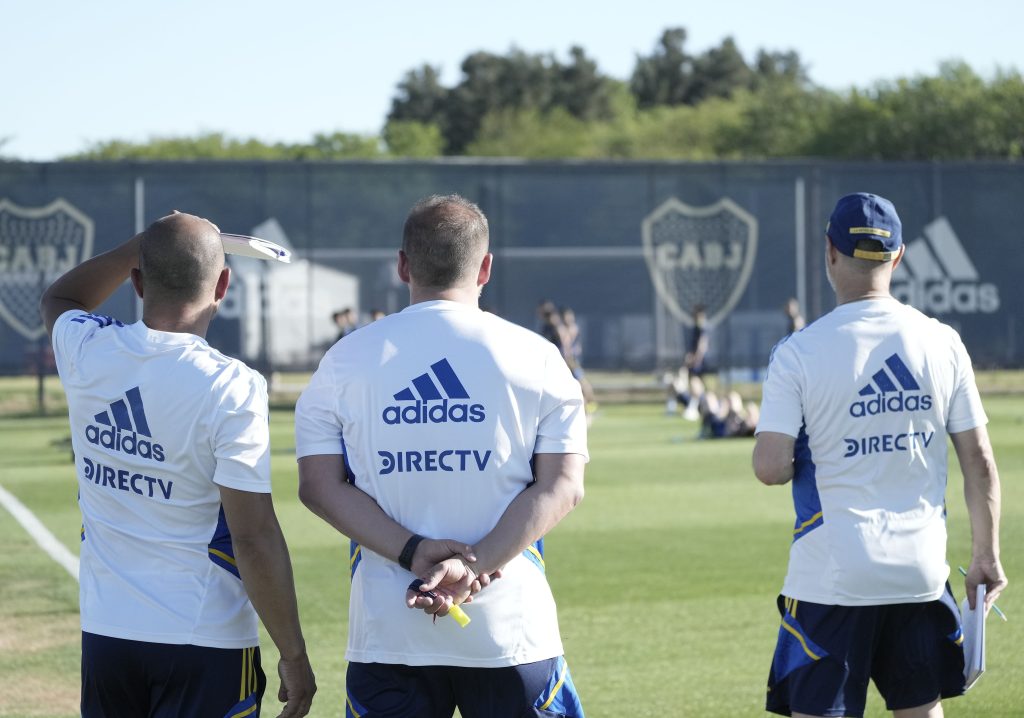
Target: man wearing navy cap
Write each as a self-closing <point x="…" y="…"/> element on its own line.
<point x="856" y="410"/>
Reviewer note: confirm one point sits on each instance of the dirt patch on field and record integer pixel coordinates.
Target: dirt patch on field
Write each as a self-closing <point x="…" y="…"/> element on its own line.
<point x="39" y="695"/>
<point x="33" y="633"/>
<point x="38" y="661"/>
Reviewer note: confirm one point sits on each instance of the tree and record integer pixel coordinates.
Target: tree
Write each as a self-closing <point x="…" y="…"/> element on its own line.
<point x="340" y="146"/>
<point x="508" y="83"/>
<point x="664" y="77"/>
<point x="719" y="72"/>
<point x="780" y="67"/>
<point x="533" y="134"/>
<point x="406" y="138"/>
<point x="420" y="97"/>
<point x="491" y="83"/>
<point x="211" y="145"/>
<point x="671" y="76"/>
<point x="217" y="146"/>
<point x="581" y="89"/>
<point x="675" y="106"/>
<point x="780" y="119"/>
<point x="953" y="115"/>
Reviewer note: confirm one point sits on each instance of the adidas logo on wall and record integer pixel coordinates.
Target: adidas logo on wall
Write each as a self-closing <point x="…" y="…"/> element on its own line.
<point x="890" y="392"/>
<point x="124" y="428"/>
<point x="938" y="277"/>
<point x="432" y="402"/>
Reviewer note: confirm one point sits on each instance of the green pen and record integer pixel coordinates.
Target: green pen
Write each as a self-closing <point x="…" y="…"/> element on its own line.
<point x="963" y="572"/>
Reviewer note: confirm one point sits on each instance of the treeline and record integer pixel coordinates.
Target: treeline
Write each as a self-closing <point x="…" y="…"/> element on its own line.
<point x="675" y="105"/>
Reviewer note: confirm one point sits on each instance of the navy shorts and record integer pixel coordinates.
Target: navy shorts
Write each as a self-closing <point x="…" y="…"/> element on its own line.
<point x="826" y="655"/>
<point x="122" y="678"/>
<point x="384" y="690"/>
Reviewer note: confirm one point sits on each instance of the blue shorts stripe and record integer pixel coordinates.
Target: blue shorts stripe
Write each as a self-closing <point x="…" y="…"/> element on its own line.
<point x="247" y="707"/>
<point x="353" y="708"/>
<point x="794" y="648"/>
<point x="561" y="697"/>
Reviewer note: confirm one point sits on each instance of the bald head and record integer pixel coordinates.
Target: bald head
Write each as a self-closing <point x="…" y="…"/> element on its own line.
<point x="180" y="258"/>
<point x="445" y="239"/>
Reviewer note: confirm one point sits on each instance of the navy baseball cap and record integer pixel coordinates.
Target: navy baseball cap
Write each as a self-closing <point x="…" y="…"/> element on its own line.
<point x="865" y="216"/>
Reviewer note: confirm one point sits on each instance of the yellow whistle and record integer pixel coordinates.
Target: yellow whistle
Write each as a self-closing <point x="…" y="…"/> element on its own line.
<point x="459" y="615"/>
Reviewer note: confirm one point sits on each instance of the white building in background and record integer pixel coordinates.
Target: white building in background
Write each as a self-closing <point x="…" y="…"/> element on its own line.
<point x="300" y="298"/>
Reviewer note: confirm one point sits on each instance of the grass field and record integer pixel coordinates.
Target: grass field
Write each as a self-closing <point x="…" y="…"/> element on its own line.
<point x="665" y="576"/>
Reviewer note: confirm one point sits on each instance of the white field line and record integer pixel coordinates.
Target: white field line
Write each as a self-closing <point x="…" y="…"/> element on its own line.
<point x="42" y="536"/>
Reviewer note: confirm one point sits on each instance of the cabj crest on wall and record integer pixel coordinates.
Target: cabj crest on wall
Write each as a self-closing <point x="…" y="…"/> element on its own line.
<point x="700" y="256"/>
<point x="37" y="245"/>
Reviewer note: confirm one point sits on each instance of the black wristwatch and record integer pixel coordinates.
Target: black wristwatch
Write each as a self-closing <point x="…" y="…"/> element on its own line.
<point x="405" y="558"/>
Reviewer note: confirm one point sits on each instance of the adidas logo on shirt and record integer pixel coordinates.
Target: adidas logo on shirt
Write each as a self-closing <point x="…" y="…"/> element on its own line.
<point x="425" y="403"/>
<point x="886" y="396"/>
<point x="128" y="431"/>
<point x="102" y="319"/>
<point x="937" y="276"/>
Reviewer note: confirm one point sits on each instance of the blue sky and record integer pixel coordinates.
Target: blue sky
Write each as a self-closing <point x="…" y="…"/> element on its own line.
<point x="76" y="72"/>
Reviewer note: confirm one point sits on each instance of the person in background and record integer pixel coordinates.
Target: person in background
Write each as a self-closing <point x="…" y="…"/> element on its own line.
<point x="345" y="321"/>
<point x="683" y="389"/>
<point x="699" y="341"/>
<point x="572" y="345"/>
<point x="794" y="319"/>
<point x="727" y="417"/>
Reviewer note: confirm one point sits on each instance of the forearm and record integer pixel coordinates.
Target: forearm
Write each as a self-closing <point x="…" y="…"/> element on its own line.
<point x="982" y="496"/>
<point x="90" y="283"/>
<point x="266" y="571"/>
<point x="981" y="491"/>
<point x="355" y="514"/>
<point x="531" y="515"/>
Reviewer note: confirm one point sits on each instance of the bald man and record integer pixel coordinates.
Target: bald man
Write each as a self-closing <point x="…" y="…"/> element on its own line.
<point x="181" y="549"/>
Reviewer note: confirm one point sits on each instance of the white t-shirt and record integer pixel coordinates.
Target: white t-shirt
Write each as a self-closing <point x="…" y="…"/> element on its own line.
<point x="158" y="421"/>
<point x="870" y="392"/>
<point x="439" y="410"/>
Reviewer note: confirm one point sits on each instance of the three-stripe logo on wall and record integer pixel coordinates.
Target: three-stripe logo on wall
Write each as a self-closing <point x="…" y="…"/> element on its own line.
<point x="123" y="427"/>
<point x="892" y="389"/>
<point x="937" y="276"/>
<point x="434" y="397"/>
